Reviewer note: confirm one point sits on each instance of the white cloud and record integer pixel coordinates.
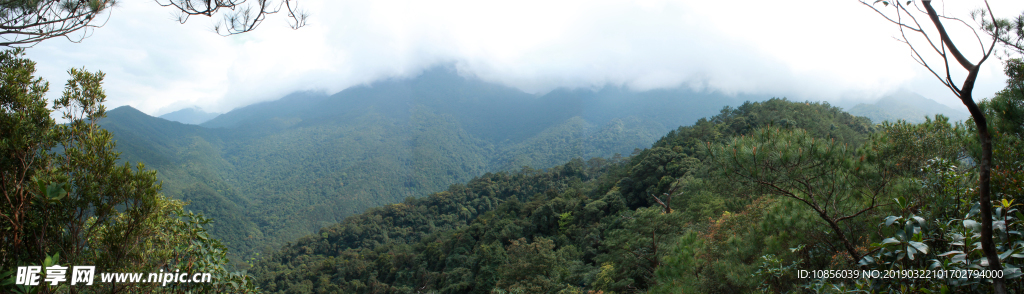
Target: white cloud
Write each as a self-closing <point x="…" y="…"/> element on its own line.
<point x="802" y="49"/>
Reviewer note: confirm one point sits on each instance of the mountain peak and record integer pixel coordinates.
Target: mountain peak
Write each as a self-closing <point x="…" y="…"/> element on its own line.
<point x="905" y="105"/>
<point x="124" y="108"/>
<point x="190" y="115"/>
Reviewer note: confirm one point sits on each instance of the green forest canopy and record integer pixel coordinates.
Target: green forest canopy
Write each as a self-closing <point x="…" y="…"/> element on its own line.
<point x="735" y="202"/>
<point x="721" y="206"/>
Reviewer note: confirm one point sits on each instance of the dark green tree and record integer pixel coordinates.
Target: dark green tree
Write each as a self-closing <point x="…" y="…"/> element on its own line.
<point x="838" y="184"/>
<point x="67" y="200"/>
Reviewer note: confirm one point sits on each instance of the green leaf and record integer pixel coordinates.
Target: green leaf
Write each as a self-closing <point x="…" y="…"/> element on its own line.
<point x="892" y="218"/>
<point x="1011" y="273"/>
<point x="951" y="253"/>
<point x="961" y="258"/>
<point x="867" y="260"/>
<point x="901" y="202"/>
<point x="920" y="246"/>
<point x="42" y="187"/>
<point x="975" y="210"/>
<point x="890" y="241"/>
<point x="55" y="191"/>
<point x="918" y="219"/>
<point x="7" y="278"/>
<point x="972" y="225"/>
<point x="1006" y="254"/>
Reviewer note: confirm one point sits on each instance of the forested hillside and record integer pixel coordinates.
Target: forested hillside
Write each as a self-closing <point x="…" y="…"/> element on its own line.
<point x="582" y="225"/>
<point x="735" y="203"/>
<point x="648" y="159"/>
<point x="275" y="171"/>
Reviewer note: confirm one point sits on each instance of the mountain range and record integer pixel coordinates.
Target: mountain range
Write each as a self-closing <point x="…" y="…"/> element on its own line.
<point x="271" y="172"/>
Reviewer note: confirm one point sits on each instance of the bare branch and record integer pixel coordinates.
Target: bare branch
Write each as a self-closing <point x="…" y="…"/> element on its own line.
<point x="918" y="24"/>
<point x="966" y="64"/>
<point x="242" y="18"/>
<point x="24" y="24"/>
<point x="889" y="19"/>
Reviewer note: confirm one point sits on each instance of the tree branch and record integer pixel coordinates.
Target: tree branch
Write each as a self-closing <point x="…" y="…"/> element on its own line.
<point x="966" y="64"/>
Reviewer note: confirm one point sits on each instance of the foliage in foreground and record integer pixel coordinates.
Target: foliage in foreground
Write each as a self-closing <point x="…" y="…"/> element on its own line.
<point x="68" y="202"/>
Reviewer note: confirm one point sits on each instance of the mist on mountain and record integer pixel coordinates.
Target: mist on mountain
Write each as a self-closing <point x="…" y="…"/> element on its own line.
<point x="191" y="115"/>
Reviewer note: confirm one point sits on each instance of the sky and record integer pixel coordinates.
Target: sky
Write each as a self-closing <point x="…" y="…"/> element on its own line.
<point x="836" y="50"/>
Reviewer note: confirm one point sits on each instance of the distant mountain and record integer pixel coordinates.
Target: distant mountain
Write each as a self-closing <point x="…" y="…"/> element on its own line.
<point x="192" y="116"/>
<point x="274" y="171"/>
<point x="907" y="106"/>
<point x="571" y="228"/>
<point x="251" y="115"/>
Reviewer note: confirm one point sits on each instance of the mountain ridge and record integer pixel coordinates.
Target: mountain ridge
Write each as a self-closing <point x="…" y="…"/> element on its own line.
<point x="278" y="170"/>
<point x="191" y="115"/>
<point x="905" y="105"/>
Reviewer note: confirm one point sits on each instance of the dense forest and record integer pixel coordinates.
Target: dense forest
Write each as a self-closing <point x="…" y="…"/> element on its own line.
<point x="272" y="172"/>
<point x="445" y="183"/>
<point x="735" y="203"/>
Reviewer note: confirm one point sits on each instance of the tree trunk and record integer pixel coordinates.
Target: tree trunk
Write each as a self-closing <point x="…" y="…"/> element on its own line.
<point x="984" y="167"/>
<point x="984" y="189"/>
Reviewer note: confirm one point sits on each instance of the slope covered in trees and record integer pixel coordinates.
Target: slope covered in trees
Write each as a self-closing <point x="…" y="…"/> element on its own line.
<point x="736" y="203"/>
<point x="593" y="225"/>
<point x="275" y="171"/>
